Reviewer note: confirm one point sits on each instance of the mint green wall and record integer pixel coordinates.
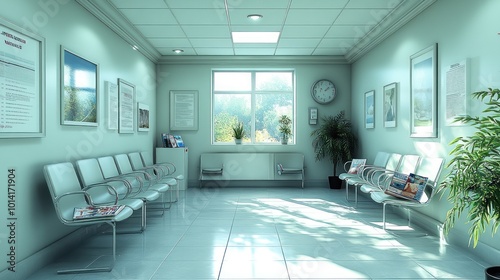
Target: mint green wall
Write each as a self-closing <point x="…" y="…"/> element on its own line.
<point x="463" y="30"/>
<point x="198" y="77"/>
<point x="65" y="23"/>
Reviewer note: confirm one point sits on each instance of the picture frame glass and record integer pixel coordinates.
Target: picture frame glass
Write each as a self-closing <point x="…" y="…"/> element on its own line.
<point x="126" y="105"/>
<point x="390" y="104"/>
<point x="79" y="100"/>
<point x="370" y="109"/>
<point x="423" y="91"/>
<point x="142" y="117"/>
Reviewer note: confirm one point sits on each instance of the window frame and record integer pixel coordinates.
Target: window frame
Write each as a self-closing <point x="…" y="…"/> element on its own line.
<point x="253" y="93"/>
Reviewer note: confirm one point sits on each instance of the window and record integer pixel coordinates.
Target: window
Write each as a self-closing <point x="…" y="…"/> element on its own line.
<point x="255" y="98"/>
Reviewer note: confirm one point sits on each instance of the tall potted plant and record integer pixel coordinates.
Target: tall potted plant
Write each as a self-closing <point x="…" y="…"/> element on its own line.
<point x="473" y="182"/>
<point x="334" y="140"/>
<point x="285" y="128"/>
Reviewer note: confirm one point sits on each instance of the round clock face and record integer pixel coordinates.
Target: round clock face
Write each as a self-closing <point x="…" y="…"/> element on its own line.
<point x="323" y="91"/>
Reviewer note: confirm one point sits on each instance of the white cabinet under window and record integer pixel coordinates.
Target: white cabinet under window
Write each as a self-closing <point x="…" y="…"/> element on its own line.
<point x="177" y="156"/>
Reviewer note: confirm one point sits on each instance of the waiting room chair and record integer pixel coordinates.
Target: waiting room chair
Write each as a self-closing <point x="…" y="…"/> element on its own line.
<point x="91" y="176"/>
<point x="427" y="167"/>
<point x="66" y="193"/>
<point x="147" y="160"/>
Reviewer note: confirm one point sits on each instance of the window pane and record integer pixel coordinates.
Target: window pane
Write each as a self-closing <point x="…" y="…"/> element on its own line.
<point x="232" y="81"/>
<point x="268" y="109"/>
<point x="274" y="81"/>
<point x="230" y="109"/>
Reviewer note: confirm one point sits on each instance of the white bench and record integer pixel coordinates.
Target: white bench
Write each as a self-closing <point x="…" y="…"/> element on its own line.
<point x="225" y="167"/>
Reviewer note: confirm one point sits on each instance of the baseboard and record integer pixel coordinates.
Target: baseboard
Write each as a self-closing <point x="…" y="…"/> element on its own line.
<point x="47" y="255"/>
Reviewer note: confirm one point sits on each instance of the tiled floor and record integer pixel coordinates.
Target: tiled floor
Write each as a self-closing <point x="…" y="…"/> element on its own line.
<point x="277" y="233"/>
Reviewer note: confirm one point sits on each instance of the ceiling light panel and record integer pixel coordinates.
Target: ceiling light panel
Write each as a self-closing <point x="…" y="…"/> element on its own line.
<point x="255" y="37"/>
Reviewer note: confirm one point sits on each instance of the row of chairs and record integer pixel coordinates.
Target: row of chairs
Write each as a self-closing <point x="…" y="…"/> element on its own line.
<point x="374" y="179"/>
<point x="132" y="180"/>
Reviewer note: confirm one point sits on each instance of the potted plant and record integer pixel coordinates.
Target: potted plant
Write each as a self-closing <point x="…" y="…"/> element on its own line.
<point x="285" y="128"/>
<point x="238" y="132"/>
<point x="334" y="140"/>
<point x="473" y="182"/>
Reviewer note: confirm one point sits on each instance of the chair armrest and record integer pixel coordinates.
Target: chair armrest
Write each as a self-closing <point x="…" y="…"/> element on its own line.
<point x="109" y="188"/>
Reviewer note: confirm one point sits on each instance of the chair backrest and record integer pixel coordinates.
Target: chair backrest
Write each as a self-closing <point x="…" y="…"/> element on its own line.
<point x="289" y="160"/>
<point x="108" y="167"/>
<point x="393" y="162"/>
<point x="136" y="161"/>
<point x="89" y="171"/>
<point x="123" y="164"/>
<point x="381" y="159"/>
<point x="61" y="179"/>
<point x="430" y="168"/>
<point x="408" y="164"/>
<point x="147" y="159"/>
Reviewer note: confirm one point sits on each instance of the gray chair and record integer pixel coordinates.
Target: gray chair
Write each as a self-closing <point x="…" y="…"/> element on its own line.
<point x="91" y="176"/>
<point x="428" y="167"/>
<point x="67" y="194"/>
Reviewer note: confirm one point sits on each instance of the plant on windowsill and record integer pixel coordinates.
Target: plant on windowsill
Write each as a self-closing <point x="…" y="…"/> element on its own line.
<point x="285" y="128"/>
<point x="334" y="140"/>
<point x="473" y="182"/>
<point x="238" y="132"/>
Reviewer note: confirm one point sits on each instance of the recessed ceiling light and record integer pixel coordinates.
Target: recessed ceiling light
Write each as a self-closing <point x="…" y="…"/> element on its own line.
<point x="254" y="16"/>
<point x="255" y="37"/>
<point x="178" y="51"/>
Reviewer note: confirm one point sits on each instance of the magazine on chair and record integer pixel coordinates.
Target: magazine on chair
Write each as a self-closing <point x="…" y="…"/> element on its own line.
<point x="356" y="165"/>
<point x="407" y="186"/>
<point x="96" y="211"/>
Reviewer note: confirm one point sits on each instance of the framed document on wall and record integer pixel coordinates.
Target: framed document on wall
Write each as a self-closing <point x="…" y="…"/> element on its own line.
<point x="126" y="104"/>
<point x="22" y="82"/>
<point x="183" y="110"/>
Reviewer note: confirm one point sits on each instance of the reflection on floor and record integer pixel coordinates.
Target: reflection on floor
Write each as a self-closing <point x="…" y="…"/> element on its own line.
<point x="272" y="233"/>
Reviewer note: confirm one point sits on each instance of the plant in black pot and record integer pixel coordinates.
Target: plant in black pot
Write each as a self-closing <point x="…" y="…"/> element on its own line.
<point x="473" y="182"/>
<point x="334" y="140"/>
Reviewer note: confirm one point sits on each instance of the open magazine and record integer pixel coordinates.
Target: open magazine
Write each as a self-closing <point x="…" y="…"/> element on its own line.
<point x="407" y="186"/>
<point x="97" y="211"/>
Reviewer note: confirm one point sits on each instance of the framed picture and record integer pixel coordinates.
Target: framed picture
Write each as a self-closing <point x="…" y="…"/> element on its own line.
<point x="183" y="110"/>
<point x="142" y="117"/>
<point x="111" y="91"/>
<point x="126" y="104"/>
<point x="423" y="91"/>
<point x="370" y="109"/>
<point x="390" y="104"/>
<point x="457" y="87"/>
<point x="22" y="83"/>
<point x="79" y="100"/>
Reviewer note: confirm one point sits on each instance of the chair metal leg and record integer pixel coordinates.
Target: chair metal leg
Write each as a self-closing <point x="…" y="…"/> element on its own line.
<point x="96" y="269"/>
<point x="383" y="215"/>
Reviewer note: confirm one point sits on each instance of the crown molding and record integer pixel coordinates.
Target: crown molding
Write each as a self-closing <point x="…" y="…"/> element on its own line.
<point x="258" y="60"/>
<point x="107" y="14"/>
<point x="400" y="16"/>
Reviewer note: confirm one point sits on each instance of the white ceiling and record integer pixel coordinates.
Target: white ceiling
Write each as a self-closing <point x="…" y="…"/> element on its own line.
<point x="345" y="29"/>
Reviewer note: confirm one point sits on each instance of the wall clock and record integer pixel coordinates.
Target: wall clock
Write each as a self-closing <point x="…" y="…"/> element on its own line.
<point x="323" y="91"/>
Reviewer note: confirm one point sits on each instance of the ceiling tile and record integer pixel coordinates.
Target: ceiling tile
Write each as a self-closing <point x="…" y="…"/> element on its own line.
<point x="170" y="43"/>
<point x="294" y="51"/>
<point x="258" y="4"/>
<point x="329" y="51"/>
<point x="168" y="51"/>
<point x="149" y="16"/>
<point x="336" y="43"/>
<point x="215" y="51"/>
<point x="295" y="31"/>
<point x="326" y="4"/>
<point x="298" y="43"/>
<point x="195" y="4"/>
<point x="312" y="16"/>
<point x="207" y="31"/>
<point x="153" y="4"/>
<point x="362" y="16"/>
<point x="388" y="4"/>
<point x="219" y="43"/>
<point x="200" y="16"/>
<point x="348" y="31"/>
<point x="254" y="51"/>
<point x="160" y="30"/>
